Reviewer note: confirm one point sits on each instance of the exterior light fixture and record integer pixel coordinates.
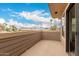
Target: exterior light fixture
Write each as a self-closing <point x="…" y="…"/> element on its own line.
<point x="56" y="12"/>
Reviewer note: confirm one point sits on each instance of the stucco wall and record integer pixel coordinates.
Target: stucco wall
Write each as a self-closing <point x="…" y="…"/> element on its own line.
<point x="51" y="35"/>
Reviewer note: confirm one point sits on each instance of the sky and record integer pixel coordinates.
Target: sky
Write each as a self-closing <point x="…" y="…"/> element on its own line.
<point x="25" y="15"/>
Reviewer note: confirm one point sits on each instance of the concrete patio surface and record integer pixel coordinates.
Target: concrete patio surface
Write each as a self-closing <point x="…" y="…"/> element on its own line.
<point x="46" y="48"/>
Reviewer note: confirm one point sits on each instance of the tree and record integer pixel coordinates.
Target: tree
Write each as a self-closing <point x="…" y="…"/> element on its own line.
<point x="9" y="28"/>
<point x="54" y="27"/>
<point x="4" y="26"/>
<point x="13" y="28"/>
<point x="51" y="23"/>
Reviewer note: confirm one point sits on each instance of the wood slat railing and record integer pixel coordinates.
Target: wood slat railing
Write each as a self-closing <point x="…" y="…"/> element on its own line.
<point x="16" y="45"/>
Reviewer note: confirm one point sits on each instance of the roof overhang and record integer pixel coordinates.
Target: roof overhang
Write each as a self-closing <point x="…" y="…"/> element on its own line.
<point x="57" y="9"/>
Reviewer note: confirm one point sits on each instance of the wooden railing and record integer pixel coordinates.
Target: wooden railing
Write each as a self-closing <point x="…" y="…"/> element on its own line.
<point x="17" y="44"/>
<point x="13" y="44"/>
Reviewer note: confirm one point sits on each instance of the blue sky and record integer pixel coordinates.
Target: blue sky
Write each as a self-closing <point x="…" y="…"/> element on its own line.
<point x="25" y="13"/>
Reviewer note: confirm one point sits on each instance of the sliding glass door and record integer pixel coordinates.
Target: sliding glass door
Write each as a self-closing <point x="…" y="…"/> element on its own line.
<point x="70" y="30"/>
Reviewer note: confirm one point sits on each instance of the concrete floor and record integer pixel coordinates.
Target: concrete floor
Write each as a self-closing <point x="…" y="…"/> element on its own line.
<point x="46" y="48"/>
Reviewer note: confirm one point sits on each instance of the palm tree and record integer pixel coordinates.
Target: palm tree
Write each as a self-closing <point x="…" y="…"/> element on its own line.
<point x="51" y="23"/>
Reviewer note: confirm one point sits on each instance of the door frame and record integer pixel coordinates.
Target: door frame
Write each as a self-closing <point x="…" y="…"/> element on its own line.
<point x="67" y="27"/>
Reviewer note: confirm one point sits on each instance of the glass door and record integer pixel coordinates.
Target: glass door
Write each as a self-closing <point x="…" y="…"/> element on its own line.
<point x="71" y="30"/>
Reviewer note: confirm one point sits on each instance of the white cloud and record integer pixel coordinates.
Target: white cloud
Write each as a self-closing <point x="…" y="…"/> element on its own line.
<point x="2" y="20"/>
<point x="45" y="26"/>
<point x="20" y="25"/>
<point x="37" y="15"/>
<point x="40" y="13"/>
<point x="27" y="25"/>
<point x="13" y="15"/>
<point x="8" y="9"/>
<point x="57" y="22"/>
<point x="5" y="9"/>
<point x="13" y="22"/>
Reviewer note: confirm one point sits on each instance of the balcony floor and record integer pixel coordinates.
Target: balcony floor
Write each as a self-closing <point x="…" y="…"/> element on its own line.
<point x="46" y="48"/>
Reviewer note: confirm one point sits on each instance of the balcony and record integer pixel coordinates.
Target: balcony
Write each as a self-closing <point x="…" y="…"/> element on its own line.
<point x="35" y="42"/>
<point x="32" y="43"/>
